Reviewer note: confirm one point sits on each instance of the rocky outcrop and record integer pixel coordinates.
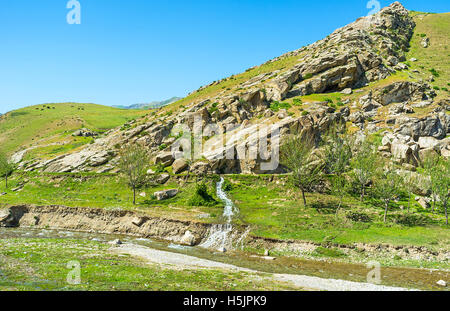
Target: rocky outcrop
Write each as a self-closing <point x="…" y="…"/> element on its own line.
<point x="369" y="49"/>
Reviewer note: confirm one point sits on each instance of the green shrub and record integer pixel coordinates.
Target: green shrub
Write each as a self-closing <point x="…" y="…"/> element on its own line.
<point x="201" y="197"/>
<point x="358" y="216"/>
<point x="410" y="220"/>
<point x="437" y="88"/>
<point x="308" y="76"/>
<point x="297" y="102"/>
<point x="162" y="147"/>
<point x="227" y="186"/>
<point x="305" y="113"/>
<point x="276" y="106"/>
<point x="434" y="72"/>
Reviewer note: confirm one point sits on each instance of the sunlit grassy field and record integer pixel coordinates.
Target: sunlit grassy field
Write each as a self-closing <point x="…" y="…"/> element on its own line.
<point x="47" y="124"/>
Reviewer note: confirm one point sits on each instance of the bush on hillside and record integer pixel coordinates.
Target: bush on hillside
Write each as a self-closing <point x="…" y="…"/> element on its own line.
<point x="201" y="197"/>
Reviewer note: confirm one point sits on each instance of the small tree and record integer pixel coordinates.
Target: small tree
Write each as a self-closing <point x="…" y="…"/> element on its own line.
<point x="409" y="185"/>
<point x="387" y="187"/>
<point x="337" y="160"/>
<point x="432" y="169"/>
<point x="134" y="163"/>
<point x="443" y="184"/>
<point x="6" y="168"/>
<point x="364" y="163"/>
<point x="297" y="155"/>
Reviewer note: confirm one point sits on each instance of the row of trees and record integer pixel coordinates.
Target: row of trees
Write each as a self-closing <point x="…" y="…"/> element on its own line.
<point x="355" y="167"/>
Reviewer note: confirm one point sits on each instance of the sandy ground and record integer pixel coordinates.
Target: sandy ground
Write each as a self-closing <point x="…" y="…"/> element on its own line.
<point x="180" y="261"/>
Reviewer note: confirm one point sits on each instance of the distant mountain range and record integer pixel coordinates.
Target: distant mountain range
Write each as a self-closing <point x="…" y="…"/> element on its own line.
<point x="152" y="105"/>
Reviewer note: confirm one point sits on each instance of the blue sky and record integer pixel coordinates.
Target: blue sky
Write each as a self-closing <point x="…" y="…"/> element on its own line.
<point x="134" y="51"/>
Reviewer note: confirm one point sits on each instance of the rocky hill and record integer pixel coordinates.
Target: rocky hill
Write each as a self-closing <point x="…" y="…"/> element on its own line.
<point x="384" y="75"/>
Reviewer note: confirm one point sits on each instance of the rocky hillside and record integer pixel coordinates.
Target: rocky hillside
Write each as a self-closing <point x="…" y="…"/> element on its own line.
<point x="378" y="74"/>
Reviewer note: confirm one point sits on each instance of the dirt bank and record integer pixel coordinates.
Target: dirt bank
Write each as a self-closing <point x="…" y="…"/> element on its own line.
<point x="101" y="221"/>
<point x="138" y="224"/>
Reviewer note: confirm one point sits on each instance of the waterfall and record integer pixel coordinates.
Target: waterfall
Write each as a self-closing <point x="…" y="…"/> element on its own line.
<point x="221" y="236"/>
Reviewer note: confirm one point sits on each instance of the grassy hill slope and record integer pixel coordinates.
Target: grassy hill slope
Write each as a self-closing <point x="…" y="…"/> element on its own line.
<point x="51" y="125"/>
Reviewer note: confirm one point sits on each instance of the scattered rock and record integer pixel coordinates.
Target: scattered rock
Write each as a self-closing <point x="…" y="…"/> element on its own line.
<point x="441" y="283"/>
<point x="84" y="133"/>
<point x="424" y="202"/>
<point x="347" y="91"/>
<point x="162" y="179"/>
<point x="116" y="242"/>
<point x="188" y="239"/>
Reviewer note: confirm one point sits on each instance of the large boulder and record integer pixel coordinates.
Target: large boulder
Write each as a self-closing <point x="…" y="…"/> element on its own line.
<point x="427" y="142"/>
<point x="429" y="126"/>
<point x="164" y="158"/>
<point x="165" y="194"/>
<point x="179" y="166"/>
<point x="188" y="239"/>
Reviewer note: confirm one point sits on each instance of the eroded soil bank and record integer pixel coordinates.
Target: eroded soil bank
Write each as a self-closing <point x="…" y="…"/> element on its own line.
<point x="138" y="224"/>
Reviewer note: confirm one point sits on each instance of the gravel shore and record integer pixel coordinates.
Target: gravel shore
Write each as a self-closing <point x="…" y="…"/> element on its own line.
<point x="180" y="261"/>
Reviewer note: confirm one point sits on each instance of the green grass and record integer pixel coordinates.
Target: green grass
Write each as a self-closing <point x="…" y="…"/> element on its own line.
<point x="434" y="59"/>
<point x="107" y="191"/>
<point x="274" y="211"/>
<point x="40" y="125"/>
<point x="41" y="264"/>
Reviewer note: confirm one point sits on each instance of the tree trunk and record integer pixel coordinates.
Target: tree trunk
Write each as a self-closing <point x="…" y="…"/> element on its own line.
<point x="134" y="196"/>
<point x="446" y="214"/>
<point x="386" y="204"/>
<point x="409" y="202"/>
<point x="339" y="206"/>
<point x="362" y="193"/>
<point x="304" y="197"/>
<point x="434" y="203"/>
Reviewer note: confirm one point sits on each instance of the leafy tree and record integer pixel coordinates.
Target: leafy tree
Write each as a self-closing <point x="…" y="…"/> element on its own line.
<point x="363" y="164"/>
<point x="6" y="168"/>
<point x="387" y="187"/>
<point x="297" y="155"/>
<point x="432" y="169"/>
<point x="443" y="184"/>
<point x="134" y="163"/>
<point x="337" y="160"/>
<point x="409" y="185"/>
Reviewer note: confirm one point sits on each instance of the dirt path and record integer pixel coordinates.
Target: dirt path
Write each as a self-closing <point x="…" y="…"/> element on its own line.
<point x="180" y="261"/>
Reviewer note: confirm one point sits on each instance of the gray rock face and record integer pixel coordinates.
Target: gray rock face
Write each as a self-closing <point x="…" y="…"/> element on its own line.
<point x="165" y="194"/>
<point x="429" y="126"/>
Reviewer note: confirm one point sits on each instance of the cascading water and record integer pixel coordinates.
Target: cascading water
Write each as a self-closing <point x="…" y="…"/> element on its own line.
<point x="221" y="236"/>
